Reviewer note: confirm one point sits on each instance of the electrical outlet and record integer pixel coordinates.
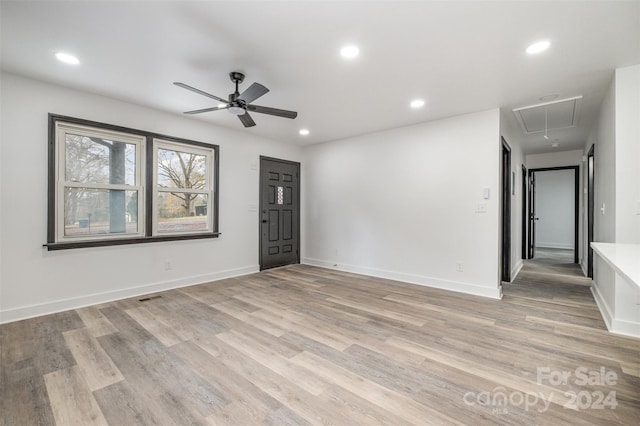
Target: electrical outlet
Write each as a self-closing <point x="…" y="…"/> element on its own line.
<point x="167" y="265"/>
<point x="481" y="207"/>
<point x="459" y="266"/>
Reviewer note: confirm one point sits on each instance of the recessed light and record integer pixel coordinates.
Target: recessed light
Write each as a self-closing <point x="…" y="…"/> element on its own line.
<point x="538" y="47"/>
<point x="67" y="58"/>
<point x="417" y="103"/>
<point x="350" y="52"/>
<point x="555" y="145"/>
<point x="304" y="132"/>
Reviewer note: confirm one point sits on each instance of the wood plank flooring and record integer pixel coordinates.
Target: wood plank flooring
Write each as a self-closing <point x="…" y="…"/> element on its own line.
<point x="303" y="345"/>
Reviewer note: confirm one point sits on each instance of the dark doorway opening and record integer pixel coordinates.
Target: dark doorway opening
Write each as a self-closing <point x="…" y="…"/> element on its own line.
<point x="279" y="212"/>
<point x="533" y="213"/>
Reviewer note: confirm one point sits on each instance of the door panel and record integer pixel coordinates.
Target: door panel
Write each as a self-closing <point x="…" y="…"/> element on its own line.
<point x="279" y="212"/>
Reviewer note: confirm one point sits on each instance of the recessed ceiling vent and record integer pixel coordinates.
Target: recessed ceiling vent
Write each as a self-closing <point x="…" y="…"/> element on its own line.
<point x="553" y="115"/>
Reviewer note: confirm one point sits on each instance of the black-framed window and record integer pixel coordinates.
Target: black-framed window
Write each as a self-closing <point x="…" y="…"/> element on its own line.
<point x="111" y="185"/>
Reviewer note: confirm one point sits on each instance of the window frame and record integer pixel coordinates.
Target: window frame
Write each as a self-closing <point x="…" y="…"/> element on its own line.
<point x="209" y="154"/>
<point x="147" y="197"/>
<point x="62" y="129"/>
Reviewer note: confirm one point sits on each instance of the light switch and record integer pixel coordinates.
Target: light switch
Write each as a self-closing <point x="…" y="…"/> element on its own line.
<point x="602" y="209"/>
<point x="485" y="193"/>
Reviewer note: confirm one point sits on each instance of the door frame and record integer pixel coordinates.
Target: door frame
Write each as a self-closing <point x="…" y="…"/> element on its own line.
<point x="591" y="203"/>
<point x="260" y="206"/>
<point x="505" y="161"/>
<point x="531" y="192"/>
<point x="525" y="185"/>
<point x="576" y="206"/>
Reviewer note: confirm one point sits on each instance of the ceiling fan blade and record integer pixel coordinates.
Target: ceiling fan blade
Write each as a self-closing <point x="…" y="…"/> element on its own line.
<point x="200" y="92"/>
<point x="272" y="111"/>
<point x="246" y="119"/>
<point x="198" y="111"/>
<point x="253" y="92"/>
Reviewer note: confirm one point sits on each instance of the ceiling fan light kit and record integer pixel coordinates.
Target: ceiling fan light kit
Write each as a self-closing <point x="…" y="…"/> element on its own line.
<point x="239" y="104"/>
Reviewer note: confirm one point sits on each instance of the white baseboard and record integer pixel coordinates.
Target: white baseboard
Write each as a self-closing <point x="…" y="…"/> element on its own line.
<point x="516" y="269"/>
<point x="24" y="312"/>
<point x="616" y="326"/>
<point x="625" y="328"/>
<point x="460" y="287"/>
<point x="605" y="311"/>
<point x="555" y="245"/>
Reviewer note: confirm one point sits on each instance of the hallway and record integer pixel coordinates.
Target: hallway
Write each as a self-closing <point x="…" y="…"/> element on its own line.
<point x="552" y="265"/>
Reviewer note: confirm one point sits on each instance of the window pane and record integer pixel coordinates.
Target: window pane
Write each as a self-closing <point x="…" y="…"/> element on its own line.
<point x="100" y="211"/>
<point x="181" y="170"/>
<point x="178" y="212"/>
<point x="102" y="161"/>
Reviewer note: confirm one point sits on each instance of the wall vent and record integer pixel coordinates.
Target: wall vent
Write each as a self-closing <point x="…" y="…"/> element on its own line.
<point x="561" y="114"/>
<point x="146" y="299"/>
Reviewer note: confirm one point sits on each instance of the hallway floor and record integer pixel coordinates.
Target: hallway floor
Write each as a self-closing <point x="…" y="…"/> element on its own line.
<point x="550" y="265"/>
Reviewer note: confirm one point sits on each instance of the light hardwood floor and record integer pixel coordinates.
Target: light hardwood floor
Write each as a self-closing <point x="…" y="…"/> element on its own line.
<point x="304" y="345"/>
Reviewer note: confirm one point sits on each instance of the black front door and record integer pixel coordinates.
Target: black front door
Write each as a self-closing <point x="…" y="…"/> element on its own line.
<point x="279" y="212"/>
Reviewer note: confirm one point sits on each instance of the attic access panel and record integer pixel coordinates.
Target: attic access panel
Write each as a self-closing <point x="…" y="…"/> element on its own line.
<point x="561" y="114"/>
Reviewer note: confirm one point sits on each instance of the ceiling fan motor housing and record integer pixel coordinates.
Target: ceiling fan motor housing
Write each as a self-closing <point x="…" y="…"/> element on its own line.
<point x="236" y="76"/>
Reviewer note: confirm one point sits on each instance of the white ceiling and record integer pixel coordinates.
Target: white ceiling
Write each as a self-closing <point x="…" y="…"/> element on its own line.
<point x="459" y="57"/>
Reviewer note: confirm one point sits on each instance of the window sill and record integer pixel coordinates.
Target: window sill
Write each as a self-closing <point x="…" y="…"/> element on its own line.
<point x="126" y="241"/>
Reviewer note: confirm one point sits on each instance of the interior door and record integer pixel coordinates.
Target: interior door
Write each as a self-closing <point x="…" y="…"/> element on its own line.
<point x="279" y="212"/>
<point x="532" y="215"/>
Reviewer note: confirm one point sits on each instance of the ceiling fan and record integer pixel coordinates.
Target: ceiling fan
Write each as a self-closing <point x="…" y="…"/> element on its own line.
<point x="240" y="103"/>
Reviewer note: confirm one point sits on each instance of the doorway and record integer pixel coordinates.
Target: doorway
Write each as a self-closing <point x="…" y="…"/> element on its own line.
<point x="525" y="183"/>
<point x="590" y="209"/>
<point x="506" y="212"/>
<point x="553" y="214"/>
<point x="279" y="212"/>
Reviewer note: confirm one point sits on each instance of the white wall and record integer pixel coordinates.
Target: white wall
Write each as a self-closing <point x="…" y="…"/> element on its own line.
<point x="616" y="141"/>
<point x="35" y="281"/>
<point x="401" y="203"/>
<point x="555" y="208"/>
<point x="1" y="198"/>
<point x="554" y="159"/>
<point x="603" y="138"/>
<point x="627" y="154"/>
